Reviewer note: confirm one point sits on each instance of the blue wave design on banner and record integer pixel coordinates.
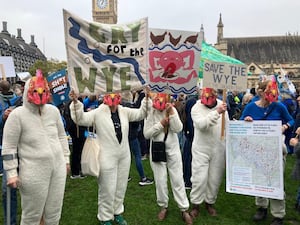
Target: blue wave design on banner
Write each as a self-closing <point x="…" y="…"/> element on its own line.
<point x="172" y="47"/>
<point x="173" y="90"/>
<point x="97" y="55"/>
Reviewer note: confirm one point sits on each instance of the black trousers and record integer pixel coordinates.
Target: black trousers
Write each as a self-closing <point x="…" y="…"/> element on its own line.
<point x="77" y="145"/>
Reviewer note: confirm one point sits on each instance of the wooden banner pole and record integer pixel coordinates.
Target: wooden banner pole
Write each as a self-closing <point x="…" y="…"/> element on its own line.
<point x="2" y="72"/>
<point x="223" y="116"/>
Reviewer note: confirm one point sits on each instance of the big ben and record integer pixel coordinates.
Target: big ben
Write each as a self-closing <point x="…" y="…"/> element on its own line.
<point x="105" y="11"/>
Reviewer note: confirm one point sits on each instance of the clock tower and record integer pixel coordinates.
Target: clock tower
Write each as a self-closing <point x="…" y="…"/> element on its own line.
<point x="105" y="11"/>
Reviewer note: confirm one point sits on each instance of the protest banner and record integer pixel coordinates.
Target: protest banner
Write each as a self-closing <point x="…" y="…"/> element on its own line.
<point x="59" y="87"/>
<point x="174" y="60"/>
<point x="221" y="75"/>
<point x="104" y="58"/>
<point x="7" y="67"/>
<point x="208" y="52"/>
<point x="24" y="76"/>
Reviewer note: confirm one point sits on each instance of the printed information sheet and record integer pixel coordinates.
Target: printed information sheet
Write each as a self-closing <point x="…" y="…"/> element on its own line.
<point x="254" y="158"/>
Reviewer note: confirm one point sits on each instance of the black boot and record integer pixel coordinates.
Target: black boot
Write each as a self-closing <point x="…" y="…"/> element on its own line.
<point x="277" y="221"/>
<point x="261" y="214"/>
<point x="298" y="208"/>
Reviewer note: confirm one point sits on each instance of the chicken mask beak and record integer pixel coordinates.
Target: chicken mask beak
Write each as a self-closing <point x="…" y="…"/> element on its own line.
<point x="112" y="99"/>
<point x="160" y="101"/>
<point x="271" y="92"/>
<point x="208" y="96"/>
<point x="38" y="92"/>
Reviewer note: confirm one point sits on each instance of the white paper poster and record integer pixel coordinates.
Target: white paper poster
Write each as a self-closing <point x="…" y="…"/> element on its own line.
<point x="7" y="67"/>
<point x="254" y="158"/>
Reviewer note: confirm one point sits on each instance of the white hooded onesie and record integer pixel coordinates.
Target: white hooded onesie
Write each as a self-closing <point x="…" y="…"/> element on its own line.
<point x="34" y="140"/>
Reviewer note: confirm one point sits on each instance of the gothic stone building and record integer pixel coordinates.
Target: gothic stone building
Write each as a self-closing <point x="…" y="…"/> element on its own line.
<point x="24" y="54"/>
<point x="263" y="55"/>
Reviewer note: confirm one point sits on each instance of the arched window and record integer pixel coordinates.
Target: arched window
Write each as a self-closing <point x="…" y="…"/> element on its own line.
<point x="252" y="69"/>
<point x="291" y="74"/>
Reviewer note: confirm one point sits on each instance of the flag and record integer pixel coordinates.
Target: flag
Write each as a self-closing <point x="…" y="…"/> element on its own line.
<point x="105" y="58"/>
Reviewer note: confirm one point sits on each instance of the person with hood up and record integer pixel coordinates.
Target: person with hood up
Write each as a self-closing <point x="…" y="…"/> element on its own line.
<point x="111" y="121"/>
<point x="208" y="151"/>
<point x="163" y="123"/>
<point x="34" y="140"/>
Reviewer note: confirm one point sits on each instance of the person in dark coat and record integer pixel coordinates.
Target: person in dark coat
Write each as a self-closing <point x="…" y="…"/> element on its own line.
<point x="189" y="135"/>
<point x="134" y="129"/>
<point x="296" y="171"/>
<point x="77" y="134"/>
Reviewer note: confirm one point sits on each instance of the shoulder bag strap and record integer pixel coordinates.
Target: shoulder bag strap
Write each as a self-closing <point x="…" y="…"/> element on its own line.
<point x="166" y="134"/>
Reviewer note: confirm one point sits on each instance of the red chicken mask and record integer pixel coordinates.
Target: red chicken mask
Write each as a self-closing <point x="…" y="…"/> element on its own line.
<point x="112" y="99"/>
<point x="271" y="92"/>
<point x="160" y="101"/>
<point x="208" y="96"/>
<point x="38" y="92"/>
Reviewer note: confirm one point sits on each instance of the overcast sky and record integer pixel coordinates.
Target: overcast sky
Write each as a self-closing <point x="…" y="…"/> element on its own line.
<point x="44" y="19"/>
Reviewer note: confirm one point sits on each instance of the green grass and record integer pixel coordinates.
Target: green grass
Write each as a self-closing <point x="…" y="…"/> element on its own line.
<point x="80" y="204"/>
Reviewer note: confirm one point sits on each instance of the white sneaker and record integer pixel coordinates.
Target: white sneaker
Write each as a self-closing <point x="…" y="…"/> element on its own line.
<point x="77" y="177"/>
<point x="144" y="157"/>
<point x="145" y="181"/>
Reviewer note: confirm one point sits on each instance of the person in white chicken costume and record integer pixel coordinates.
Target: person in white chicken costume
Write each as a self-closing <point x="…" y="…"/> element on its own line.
<point x="208" y="151"/>
<point x="36" y="154"/>
<point x="111" y="122"/>
<point x="163" y="124"/>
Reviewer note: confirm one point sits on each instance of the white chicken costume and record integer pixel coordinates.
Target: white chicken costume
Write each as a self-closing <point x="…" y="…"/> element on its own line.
<point x="154" y="130"/>
<point x="208" y="151"/>
<point x="115" y="156"/>
<point x="34" y="140"/>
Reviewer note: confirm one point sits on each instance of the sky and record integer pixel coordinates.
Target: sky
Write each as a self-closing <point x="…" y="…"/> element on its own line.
<point x="44" y="19"/>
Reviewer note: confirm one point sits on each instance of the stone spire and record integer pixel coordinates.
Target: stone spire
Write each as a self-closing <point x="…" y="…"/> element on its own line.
<point x="202" y="33"/>
<point x="220" y="29"/>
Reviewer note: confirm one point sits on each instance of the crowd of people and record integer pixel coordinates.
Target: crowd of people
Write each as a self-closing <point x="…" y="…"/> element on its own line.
<point x="36" y="161"/>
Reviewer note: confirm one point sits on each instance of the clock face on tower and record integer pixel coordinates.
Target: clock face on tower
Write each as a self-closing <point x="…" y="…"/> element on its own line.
<point x="102" y="4"/>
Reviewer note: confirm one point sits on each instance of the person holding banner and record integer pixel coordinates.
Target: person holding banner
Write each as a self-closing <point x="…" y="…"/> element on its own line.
<point x="267" y="108"/>
<point x="111" y="122"/>
<point x="162" y="126"/>
<point x="208" y="151"/>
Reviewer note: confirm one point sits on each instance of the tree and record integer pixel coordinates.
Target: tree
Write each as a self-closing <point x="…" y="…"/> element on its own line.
<point x="48" y="67"/>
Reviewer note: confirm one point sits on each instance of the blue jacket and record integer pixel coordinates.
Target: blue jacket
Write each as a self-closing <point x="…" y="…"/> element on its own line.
<point x="275" y="111"/>
<point x="6" y="101"/>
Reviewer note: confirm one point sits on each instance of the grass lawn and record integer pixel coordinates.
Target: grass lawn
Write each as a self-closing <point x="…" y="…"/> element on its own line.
<point x="80" y="204"/>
